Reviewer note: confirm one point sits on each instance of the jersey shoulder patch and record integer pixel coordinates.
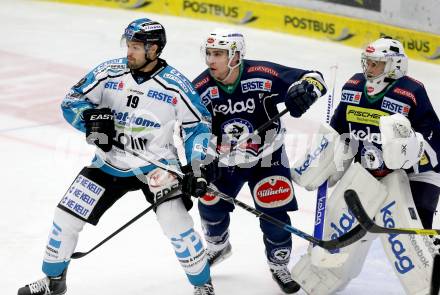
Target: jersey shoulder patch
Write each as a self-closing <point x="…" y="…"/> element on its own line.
<point x="264" y="67"/>
<point x="174" y="78"/>
<point x="111" y="67"/>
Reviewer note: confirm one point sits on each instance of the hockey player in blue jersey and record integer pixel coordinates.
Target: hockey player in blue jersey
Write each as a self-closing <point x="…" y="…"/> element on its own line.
<point x="135" y="101"/>
<point x="394" y="136"/>
<point x="242" y="95"/>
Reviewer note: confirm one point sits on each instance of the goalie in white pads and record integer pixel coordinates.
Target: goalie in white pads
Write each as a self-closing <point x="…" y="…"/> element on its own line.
<point x="393" y="133"/>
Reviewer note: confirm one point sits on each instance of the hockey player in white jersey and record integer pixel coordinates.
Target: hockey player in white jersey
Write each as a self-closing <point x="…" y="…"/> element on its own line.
<point x="394" y="136"/>
<point x="135" y="101"/>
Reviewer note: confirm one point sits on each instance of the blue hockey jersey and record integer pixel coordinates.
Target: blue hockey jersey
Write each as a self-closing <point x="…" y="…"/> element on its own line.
<point x="357" y="115"/>
<point x="239" y="109"/>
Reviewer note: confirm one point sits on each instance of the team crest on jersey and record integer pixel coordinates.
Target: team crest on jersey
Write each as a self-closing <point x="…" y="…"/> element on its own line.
<point x="256" y="84"/>
<point x="353" y="97"/>
<point x="273" y="191"/>
<point x="395" y="106"/>
<point x="113" y="85"/>
<point x="235" y="128"/>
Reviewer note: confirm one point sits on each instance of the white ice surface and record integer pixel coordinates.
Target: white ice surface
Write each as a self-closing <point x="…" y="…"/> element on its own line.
<point x="44" y="49"/>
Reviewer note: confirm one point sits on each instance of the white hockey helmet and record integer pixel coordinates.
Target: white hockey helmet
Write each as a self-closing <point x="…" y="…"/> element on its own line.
<point x="227" y="39"/>
<point x="392" y="53"/>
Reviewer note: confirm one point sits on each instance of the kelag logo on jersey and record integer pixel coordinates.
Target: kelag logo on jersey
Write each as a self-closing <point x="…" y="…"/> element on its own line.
<point x="395" y="106"/>
<point x="114" y="85"/>
<point x="349" y="96"/>
<point x="256" y="84"/>
<point x="161" y="96"/>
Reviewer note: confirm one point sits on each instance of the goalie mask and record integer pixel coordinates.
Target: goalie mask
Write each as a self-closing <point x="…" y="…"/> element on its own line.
<point x="229" y="40"/>
<point x="390" y="52"/>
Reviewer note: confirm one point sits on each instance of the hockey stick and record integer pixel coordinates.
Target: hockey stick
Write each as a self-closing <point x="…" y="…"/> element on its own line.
<point x="346" y="239"/>
<point x="355" y="206"/>
<point x="435" y="278"/>
<point x="321" y="195"/>
<point x="78" y="255"/>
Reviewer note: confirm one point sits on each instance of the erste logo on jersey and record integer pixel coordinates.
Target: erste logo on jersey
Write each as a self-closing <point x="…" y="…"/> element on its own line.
<point x="115" y="85"/>
<point x="162" y="96"/>
<point x="210" y="93"/>
<point x="273" y="191"/>
<point x="395" y="106"/>
<point x="256" y="84"/>
<point x="349" y="96"/>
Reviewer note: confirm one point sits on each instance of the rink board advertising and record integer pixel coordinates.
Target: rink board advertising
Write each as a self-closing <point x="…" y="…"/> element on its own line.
<point x="296" y="21"/>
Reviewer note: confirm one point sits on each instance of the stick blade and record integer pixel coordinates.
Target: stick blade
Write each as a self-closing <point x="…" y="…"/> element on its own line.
<point x="78" y="255"/>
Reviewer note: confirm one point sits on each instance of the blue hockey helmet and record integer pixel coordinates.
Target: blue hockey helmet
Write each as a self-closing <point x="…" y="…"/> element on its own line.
<point x="146" y="31"/>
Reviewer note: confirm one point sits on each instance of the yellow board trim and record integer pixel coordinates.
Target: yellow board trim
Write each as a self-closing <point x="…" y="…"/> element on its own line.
<point x="296" y="21"/>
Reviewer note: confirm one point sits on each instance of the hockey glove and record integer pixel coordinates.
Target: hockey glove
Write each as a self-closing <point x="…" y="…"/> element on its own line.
<point x="300" y="97"/>
<point x="100" y="128"/>
<point x="195" y="183"/>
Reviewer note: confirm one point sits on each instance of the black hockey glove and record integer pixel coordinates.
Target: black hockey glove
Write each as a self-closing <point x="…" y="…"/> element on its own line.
<point x="195" y="183"/>
<point x="100" y="128"/>
<point x="300" y="97"/>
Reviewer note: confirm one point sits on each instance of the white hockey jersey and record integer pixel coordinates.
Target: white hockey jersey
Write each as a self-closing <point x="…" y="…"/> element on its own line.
<point x="145" y="109"/>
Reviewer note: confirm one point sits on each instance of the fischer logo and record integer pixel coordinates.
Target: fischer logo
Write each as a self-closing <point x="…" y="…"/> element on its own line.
<point x="273" y="191"/>
<point x="256" y="84"/>
<point x="349" y="96"/>
<point x="403" y="264"/>
<point x="312" y="156"/>
<point x="238" y="107"/>
<point x="395" y="106"/>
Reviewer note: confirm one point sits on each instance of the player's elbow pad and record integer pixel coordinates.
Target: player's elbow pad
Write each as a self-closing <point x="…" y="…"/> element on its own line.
<point x="402" y="147"/>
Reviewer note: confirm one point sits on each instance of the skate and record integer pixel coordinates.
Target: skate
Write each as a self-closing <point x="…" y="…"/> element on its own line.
<point x="46" y="286"/>
<point x="206" y="289"/>
<point x="215" y="257"/>
<point x="281" y="275"/>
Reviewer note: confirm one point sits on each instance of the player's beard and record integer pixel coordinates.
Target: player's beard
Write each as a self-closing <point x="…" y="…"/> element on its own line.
<point x="135" y="65"/>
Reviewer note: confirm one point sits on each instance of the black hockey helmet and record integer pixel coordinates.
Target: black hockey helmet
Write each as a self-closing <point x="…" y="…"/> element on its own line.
<point x="146" y="31"/>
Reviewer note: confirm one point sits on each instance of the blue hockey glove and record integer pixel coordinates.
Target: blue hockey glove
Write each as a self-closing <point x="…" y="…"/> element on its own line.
<point x="300" y="97"/>
<point x="100" y="128"/>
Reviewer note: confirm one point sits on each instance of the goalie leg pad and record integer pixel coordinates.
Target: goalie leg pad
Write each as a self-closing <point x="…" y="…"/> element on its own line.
<point x="411" y="256"/>
<point x="319" y="280"/>
<point x="338" y="221"/>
